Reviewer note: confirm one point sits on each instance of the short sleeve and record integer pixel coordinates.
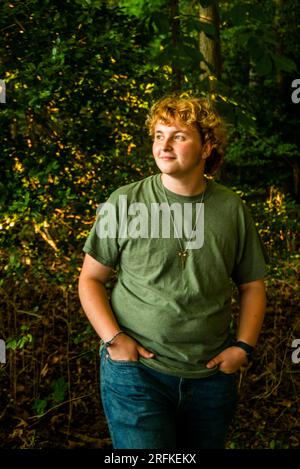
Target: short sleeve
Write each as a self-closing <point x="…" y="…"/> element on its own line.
<point x="251" y="256"/>
<point x="102" y="241"/>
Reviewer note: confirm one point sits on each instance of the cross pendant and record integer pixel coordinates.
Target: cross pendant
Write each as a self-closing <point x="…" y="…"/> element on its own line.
<point x="183" y="255"/>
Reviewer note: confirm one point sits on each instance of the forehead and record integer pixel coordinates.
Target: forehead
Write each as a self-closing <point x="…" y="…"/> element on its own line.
<point x="171" y="127"/>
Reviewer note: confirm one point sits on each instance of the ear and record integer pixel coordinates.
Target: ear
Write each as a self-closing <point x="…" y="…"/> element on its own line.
<point x="206" y="150"/>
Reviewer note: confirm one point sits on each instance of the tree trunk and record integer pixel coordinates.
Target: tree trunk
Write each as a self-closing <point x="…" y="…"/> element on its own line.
<point x="210" y="48"/>
<point x="279" y="48"/>
<point x="177" y="76"/>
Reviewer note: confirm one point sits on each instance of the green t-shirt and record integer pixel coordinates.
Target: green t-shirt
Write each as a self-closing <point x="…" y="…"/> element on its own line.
<point x="183" y="315"/>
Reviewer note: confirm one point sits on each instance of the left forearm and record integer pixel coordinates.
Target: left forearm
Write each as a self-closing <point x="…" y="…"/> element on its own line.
<point x="252" y="311"/>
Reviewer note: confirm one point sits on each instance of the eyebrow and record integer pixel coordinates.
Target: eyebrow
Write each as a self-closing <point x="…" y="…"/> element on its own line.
<point x="176" y="132"/>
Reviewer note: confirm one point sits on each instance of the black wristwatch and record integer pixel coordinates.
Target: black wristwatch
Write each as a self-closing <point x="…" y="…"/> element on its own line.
<point x="246" y="347"/>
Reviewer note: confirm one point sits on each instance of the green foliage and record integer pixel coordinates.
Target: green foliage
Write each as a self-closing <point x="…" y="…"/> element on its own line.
<point x="73" y="105"/>
<point x="252" y="148"/>
<point x="59" y="388"/>
<point x="20" y="342"/>
<point x="142" y="8"/>
<point x="39" y="406"/>
<point x="277" y="219"/>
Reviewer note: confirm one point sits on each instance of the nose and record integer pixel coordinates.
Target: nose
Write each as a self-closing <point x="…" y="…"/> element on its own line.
<point x="166" y="143"/>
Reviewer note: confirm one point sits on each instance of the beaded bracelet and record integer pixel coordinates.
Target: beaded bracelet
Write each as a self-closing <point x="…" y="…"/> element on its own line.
<point x="110" y="341"/>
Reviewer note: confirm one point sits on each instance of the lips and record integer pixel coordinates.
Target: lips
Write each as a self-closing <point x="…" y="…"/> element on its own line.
<point x="167" y="157"/>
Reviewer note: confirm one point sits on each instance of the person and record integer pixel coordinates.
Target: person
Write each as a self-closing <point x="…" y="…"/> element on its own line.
<point x="180" y="241"/>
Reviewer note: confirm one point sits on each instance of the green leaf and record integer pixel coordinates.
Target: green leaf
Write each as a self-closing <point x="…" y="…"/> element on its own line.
<point x="283" y="63"/>
<point x="24" y="340"/>
<point x="59" y="388"/>
<point x="11" y="344"/>
<point x="39" y="406"/>
<point x="264" y="65"/>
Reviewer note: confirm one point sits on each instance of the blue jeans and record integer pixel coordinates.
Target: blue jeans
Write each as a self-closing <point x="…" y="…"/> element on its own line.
<point x="146" y="409"/>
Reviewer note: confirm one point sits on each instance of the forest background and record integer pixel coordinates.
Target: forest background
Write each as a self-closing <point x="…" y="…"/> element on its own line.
<point x="80" y="77"/>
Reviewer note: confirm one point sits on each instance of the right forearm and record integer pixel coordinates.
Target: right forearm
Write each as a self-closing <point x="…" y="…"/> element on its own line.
<point x="94" y="301"/>
<point x="93" y="297"/>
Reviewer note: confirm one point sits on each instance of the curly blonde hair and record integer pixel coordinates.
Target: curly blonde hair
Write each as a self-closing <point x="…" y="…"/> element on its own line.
<point x="192" y="112"/>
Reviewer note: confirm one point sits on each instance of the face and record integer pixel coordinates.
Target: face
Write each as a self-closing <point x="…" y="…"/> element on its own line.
<point x="178" y="150"/>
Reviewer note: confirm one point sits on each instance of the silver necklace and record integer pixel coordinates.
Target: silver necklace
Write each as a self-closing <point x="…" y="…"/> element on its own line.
<point x="183" y="251"/>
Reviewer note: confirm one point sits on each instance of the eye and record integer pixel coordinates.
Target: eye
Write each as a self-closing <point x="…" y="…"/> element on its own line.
<point x="158" y="137"/>
<point x="179" y="138"/>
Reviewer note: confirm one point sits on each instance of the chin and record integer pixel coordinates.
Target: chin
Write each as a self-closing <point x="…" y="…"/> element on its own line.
<point x="165" y="167"/>
<point x="166" y="171"/>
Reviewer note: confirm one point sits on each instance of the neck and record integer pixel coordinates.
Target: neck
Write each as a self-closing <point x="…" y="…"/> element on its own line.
<point x="182" y="186"/>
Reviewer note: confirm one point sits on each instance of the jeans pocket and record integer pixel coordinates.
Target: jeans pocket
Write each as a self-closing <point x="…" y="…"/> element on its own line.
<point x="118" y="372"/>
<point x="121" y="363"/>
